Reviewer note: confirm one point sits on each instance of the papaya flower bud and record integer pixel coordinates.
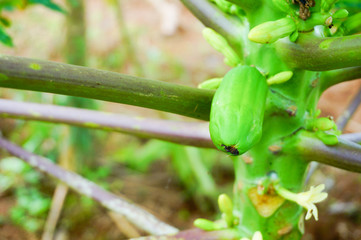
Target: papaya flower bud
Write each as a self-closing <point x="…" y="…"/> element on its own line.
<point x="207" y="225"/>
<point x="280" y="77"/>
<point x="339" y="14"/>
<point x="226" y="207"/>
<point x="294" y="36"/>
<point x="352" y="24"/>
<point x="204" y="224"/>
<point x="225" y="204"/>
<point x="323" y="124"/>
<point x="212" y="83"/>
<point x="271" y="31"/>
<point x="219" y="43"/>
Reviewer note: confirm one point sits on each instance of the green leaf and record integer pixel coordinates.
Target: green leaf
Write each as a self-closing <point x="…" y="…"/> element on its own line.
<point x="39" y="206"/>
<point x="5" y="22"/>
<point x="17" y="214"/>
<point x="12" y="165"/>
<point x="5" y="183"/>
<point x="5" y="38"/>
<point x="48" y="4"/>
<point x="11" y="5"/>
<point x="31" y="224"/>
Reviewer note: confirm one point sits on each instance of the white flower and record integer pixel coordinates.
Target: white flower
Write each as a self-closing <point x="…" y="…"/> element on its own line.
<point x="305" y="199"/>
<point x="256" y="236"/>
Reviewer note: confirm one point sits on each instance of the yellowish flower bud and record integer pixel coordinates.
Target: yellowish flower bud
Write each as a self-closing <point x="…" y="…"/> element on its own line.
<point x="220" y="44"/>
<point x="270" y="32"/>
<point x="280" y="77"/>
<point x="212" y="83"/>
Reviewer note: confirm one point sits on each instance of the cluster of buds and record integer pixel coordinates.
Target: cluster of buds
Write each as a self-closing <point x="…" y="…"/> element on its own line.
<point x="278" y="78"/>
<point x="228" y="220"/>
<point x="306" y="199"/>
<point x="325" y="129"/>
<point x="335" y="23"/>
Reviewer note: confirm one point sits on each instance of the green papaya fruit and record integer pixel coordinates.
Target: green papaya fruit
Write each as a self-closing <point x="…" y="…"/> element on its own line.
<point x="237" y="110"/>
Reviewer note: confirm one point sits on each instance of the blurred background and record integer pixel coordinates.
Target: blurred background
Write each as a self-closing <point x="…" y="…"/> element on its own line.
<point x="156" y="39"/>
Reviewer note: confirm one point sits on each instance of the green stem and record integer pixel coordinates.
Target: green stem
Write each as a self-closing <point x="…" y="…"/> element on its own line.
<point x="347" y="114"/>
<point x="320" y="54"/>
<point x="46" y="76"/>
<point x="345" y="155"/>
<point x="186" y="133"/>
<point x="353" y="137"/>
<point x="334" y="77"/>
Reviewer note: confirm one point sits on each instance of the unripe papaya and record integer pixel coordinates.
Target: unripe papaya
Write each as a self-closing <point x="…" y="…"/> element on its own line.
<point x="237" y="110"/>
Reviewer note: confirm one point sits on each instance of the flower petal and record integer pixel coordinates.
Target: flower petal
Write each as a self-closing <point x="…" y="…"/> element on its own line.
<point x="319" y="197"/>
<point x="257" y="236"/>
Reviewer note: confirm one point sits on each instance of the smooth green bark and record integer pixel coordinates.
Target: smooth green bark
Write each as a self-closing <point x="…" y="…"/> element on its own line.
<point x="320" y="54"/>
<point x="345" y="155"/>
<point x="334" y="77"/>
<point x="59" y="78"/>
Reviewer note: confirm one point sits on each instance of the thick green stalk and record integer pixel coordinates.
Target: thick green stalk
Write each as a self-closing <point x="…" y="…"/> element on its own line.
<point x="347" y="114"/>
<point x="353" y="137"/>
<point x="289" y="105"/>
<point x="345" y="155"/>
<point x="320" y="54"/>
<point x="334" y="77"/>
<point x="267" y="212"/>
<point x="46" y="76"/>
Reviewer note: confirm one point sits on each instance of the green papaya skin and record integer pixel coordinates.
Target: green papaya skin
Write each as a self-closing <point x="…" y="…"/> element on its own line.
<point x="237" y="110"/>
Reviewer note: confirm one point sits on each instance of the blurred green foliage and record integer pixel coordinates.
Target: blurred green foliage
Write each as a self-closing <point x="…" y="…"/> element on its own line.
<point x="200" y="172"/>
<point x="31" y="203"/>
<point x="196" y="168"/>
<point x="12" y="5"/>
<point x="352" y="6"/>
